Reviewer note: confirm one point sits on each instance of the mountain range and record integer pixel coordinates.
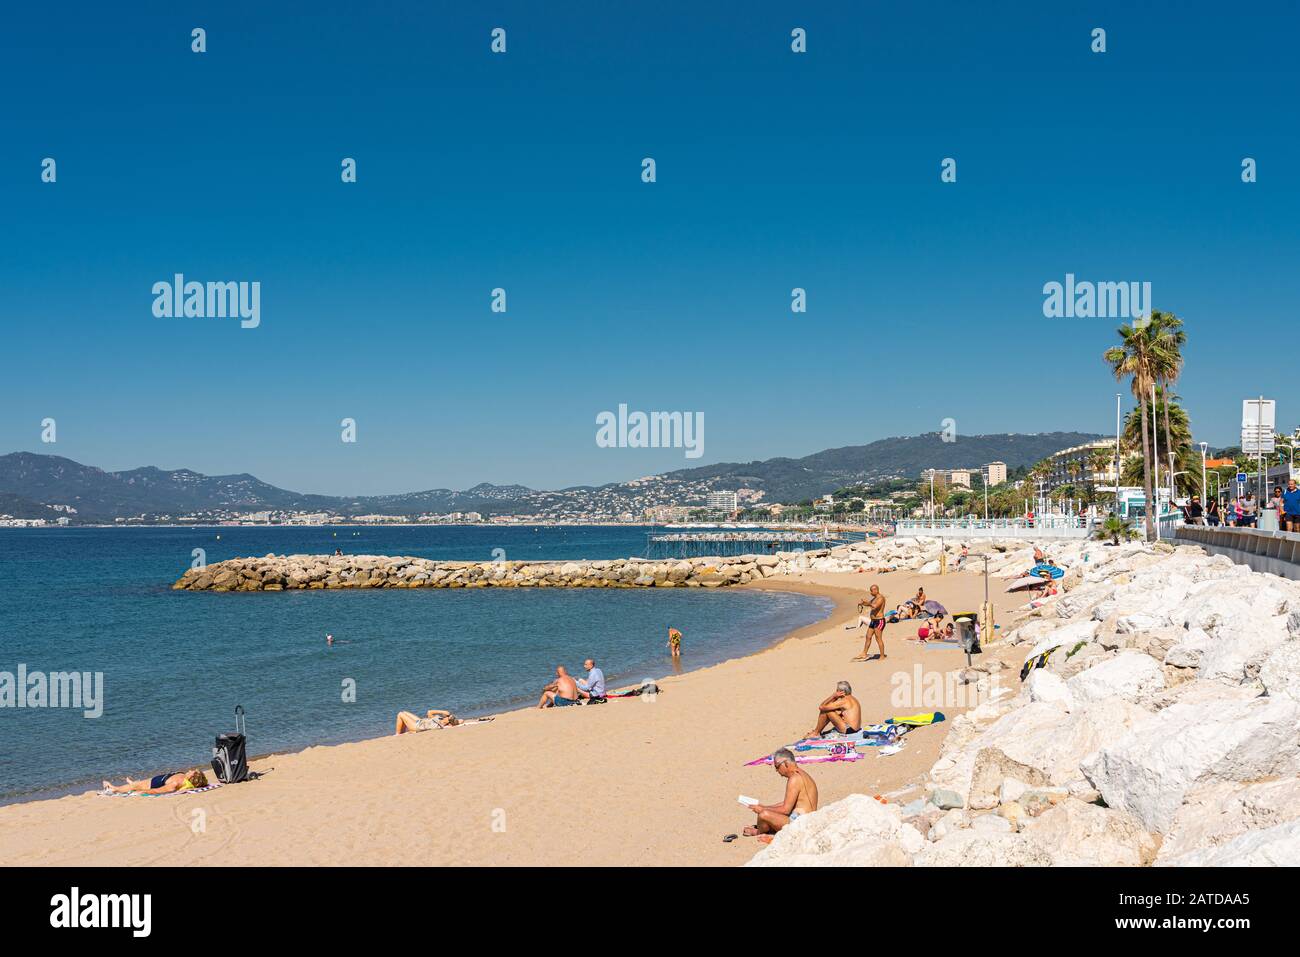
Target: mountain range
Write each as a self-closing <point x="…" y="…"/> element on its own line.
<point x="45" y="486"/>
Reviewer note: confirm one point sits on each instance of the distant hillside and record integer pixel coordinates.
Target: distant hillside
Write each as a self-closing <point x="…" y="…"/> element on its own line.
<point x="792" y="480"/>
<point x="32" y="482"/>
<point x="15" y="506"/>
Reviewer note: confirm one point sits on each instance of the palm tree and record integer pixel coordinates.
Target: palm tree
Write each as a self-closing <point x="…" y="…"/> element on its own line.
<point x="1146" y="353"/>
<point x="1171" y="328"/>
<point x="1178" y="431"/>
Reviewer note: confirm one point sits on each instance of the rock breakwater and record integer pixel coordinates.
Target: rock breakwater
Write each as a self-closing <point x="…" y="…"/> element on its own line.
<point x="297" y="572"/>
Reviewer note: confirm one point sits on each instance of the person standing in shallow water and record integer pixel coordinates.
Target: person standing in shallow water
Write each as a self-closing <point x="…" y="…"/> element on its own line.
<point x="675" y="642"/>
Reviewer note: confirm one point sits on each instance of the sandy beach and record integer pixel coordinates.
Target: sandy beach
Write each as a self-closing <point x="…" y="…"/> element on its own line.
<point x="635" y="782"/>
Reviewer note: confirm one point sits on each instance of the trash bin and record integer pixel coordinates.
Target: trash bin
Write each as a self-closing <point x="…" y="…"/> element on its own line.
<point x="1268" y="520"/>
<point x="966" y="635"/>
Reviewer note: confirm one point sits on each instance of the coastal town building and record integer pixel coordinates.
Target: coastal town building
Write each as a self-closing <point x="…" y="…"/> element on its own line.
<point x="995" y="473"/>
<point x="1092" y="462"/>
<point x="722" y="501"/>
<point x="948" y="477"/>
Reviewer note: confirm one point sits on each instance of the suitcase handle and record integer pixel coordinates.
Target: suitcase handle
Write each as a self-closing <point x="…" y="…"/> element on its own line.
<point x="239" y="719"/>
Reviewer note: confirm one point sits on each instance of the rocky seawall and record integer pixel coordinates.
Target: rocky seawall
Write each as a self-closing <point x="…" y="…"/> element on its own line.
<point x="296" y="572"/>
<point x="1163" y="728"/>
<point x="292" y="572"/>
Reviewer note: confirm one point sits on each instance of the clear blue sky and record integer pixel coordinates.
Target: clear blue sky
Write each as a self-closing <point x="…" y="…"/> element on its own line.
<point x="775" y="170"/>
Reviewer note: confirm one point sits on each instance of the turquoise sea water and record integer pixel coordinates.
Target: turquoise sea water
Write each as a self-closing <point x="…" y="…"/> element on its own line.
<point x="176" y="663"/>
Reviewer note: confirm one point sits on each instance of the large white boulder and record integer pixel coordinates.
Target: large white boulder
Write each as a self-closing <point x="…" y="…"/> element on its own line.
<point x="1047" y="687"/>
<point x="1091" y="835"/>
<point x="857" y="831"/>
<point x="1280" y="672"/>
<point x="1214" y="814"/>
<point x="968" y="848"/>
<point x="1277" y="846"/>
<point x="1039" y="744"/>
<point x="1131" y="674"/>
<point x="1214" y="734"/>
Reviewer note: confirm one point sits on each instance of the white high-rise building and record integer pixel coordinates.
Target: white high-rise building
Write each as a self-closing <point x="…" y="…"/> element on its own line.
<point x="722" y="501"/>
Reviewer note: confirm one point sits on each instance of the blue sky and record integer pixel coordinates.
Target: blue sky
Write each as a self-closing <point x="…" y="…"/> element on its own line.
<point x="522" y="171"/>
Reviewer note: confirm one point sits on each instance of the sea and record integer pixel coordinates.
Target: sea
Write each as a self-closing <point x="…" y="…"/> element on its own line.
<point x="173" y="665"/>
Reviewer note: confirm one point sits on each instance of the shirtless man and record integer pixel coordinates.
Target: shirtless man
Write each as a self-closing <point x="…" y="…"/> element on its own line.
<point x="800" y="797"/>
<point x="876" y="628"/>
<point x="841" y="710"/>
<point x="561" y="692"/>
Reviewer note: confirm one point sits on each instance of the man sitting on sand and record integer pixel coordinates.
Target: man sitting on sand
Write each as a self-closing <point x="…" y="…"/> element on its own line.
<point x="800" y="797"/>
<point x="434" y="720"/>
<point x="561" y="692"/>
<point x="593" y="687"/>
<point x="161" y="783"/>
<point x="841" y="711"/>
<point x="876" y="627"/>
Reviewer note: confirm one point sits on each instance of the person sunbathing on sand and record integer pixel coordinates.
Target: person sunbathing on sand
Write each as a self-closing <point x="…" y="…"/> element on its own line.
<point x="841" y="711"/>
<point x="862" y="619"/>
<point x="561" y="692"/>
<point x="434" y="720"/>
<point x="161" y="783"/>
<point x="800" y="797"/>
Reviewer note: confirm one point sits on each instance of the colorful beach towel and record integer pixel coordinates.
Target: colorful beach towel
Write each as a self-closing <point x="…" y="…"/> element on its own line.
<point x="848" y="753"/>
<point x="918" y="720"/>
<point x="142" y="794"/>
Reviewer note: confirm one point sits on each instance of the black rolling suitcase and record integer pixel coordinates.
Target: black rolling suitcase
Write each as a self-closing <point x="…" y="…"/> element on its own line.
<point x="230" y="754"/>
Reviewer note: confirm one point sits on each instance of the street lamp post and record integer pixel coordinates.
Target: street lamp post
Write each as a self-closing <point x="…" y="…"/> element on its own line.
<point x="1205" y="492"/>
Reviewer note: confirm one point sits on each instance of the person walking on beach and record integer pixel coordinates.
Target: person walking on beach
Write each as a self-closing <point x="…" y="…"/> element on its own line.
<point x="841" y="711"/>
<point x="876" y="627"/>
<point x="561" y="692"/>
<point x="675" y="642"/>
<point x="800" y="797"/>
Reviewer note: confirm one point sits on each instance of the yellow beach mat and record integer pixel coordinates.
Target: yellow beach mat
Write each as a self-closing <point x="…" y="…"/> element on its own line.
<point x="917" y="720"/>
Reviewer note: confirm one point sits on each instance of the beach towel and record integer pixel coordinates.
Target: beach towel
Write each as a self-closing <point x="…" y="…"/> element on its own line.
<point x="142" y="794"/>
<point x="1036" y="661"/>
<point x="918" y="720"/>
<point x="847" y="754"/>
<point x="866" y="735"/>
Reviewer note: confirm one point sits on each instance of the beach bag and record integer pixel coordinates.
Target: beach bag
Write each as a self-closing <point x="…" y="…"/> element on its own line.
<point x="230" y="753"/>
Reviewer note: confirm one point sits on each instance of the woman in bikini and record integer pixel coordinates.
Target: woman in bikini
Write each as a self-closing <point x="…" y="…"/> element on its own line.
<point x="161" y="783"/>
<point x="433" y="720"/>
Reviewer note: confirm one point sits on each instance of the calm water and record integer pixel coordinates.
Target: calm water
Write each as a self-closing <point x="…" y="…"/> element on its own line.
<point x="176" y="663"/>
